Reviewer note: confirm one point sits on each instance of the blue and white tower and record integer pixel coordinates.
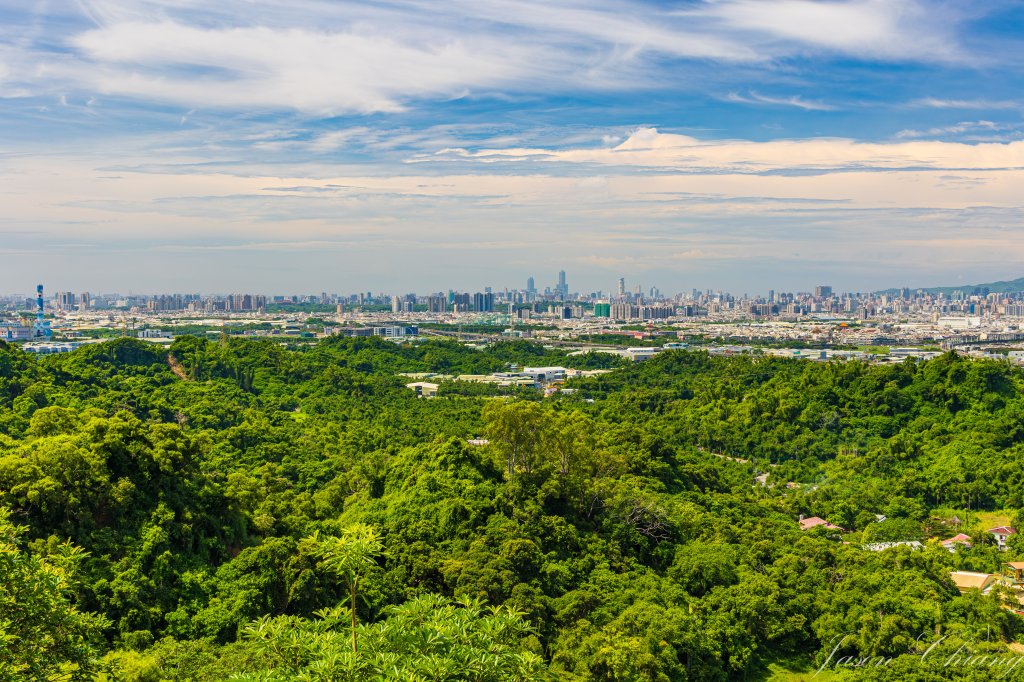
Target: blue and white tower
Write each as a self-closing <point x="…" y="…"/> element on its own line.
<point x="41" y="329"/>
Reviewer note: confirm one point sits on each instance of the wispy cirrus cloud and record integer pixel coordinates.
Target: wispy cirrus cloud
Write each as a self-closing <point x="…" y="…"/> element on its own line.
<point x="790" y="101"/>
<point x="938" y="103"/>
<point x="987" y="128"/>
<point x="299" y="69"/>
<point x="326" y="58"/>
<point x="873" y="29"/>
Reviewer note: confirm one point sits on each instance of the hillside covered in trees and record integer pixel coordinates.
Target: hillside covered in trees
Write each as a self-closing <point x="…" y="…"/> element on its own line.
<point x="242" y="510"/>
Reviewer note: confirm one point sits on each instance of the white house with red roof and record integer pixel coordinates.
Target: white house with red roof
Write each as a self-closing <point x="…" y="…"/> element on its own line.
<point x="1001" y="535"/>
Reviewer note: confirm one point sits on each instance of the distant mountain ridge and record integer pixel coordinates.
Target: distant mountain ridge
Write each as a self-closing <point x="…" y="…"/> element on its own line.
<point x="1012" y="286"/>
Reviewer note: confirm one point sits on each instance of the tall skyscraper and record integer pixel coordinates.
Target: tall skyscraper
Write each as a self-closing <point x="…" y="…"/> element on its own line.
<point x="622" y="286"/>
<point x="531" y="287"/>
<point x="563" y="288"/>
<point x="483" y="303"/>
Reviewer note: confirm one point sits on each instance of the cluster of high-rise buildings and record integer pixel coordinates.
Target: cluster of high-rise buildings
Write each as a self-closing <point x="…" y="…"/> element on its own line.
<point x="823" y="300"/>
<point x="67" y="300"/>
<point x="207" y="304"/>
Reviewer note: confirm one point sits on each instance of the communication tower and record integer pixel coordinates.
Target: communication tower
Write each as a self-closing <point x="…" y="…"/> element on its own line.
<point x="41" y="328"/>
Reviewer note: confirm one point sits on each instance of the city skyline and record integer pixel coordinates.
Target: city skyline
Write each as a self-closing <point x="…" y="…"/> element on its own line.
<point x="559" y="291"/>
<point x="409" y="146"/>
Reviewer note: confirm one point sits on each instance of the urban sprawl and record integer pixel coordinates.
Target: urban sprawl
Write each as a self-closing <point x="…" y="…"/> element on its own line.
<point x="636" y="322"/>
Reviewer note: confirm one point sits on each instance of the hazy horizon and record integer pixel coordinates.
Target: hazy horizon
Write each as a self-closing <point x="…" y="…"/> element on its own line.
<point x="540" y="285"/>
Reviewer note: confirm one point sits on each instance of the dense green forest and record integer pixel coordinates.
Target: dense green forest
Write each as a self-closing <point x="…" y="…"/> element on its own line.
<point x="237" y="509"/>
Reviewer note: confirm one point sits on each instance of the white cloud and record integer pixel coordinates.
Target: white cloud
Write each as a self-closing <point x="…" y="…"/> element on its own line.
<point x="326" y="58"/>
<point x="936" y="103"/>
<point x="335" y="139"/>
<point x="791" y="101"/>
<point x="629" y="25"/>
<point x="11" y="64"/>
<point x="960" y="128"/>
<point x="873" y="29"/>
<point x="649" y="148"/>
<point x="259" y="67"/>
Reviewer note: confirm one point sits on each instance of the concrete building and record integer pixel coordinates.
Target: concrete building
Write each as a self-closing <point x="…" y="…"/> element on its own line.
<point x="437" y="304"/>
<point x="15" y="332"/>
<point x="423" y="389"/>
<point x="389" y="332"/>
<point x="395" y="331"/>
<point x="656" y="312"/>
<point x="52" y="348"/>
<point x="638" y="354"/>
<point x="624" y="311"/>
<point x="543" y="375"/>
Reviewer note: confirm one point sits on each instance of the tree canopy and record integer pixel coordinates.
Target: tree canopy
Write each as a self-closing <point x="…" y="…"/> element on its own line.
<point x="237" y="507"/>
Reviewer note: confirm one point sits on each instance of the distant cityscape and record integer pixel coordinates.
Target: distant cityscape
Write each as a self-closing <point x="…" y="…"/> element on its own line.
<point x="925" y="320"/>
<point x="624" y="302"/>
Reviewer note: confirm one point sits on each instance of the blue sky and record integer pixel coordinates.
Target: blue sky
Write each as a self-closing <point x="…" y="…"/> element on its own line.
<point x="308" y="146"/>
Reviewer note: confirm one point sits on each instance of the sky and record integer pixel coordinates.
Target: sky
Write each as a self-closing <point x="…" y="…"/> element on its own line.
<point x="294" y="146"/>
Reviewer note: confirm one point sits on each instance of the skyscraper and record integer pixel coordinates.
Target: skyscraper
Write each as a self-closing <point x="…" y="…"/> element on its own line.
<point x="622" y="286"/>
<point x="563" y="288"/>
<point x="531" y="287"/>
<point x="483" y="303"/>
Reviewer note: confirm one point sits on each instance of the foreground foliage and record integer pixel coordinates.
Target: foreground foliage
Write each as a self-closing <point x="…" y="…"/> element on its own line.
<point x="248" y="509"/>
<point x="43" y="634"/>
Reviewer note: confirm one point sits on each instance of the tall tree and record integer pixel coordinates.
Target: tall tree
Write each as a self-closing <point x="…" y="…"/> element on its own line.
<point x="350" y="557"/>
